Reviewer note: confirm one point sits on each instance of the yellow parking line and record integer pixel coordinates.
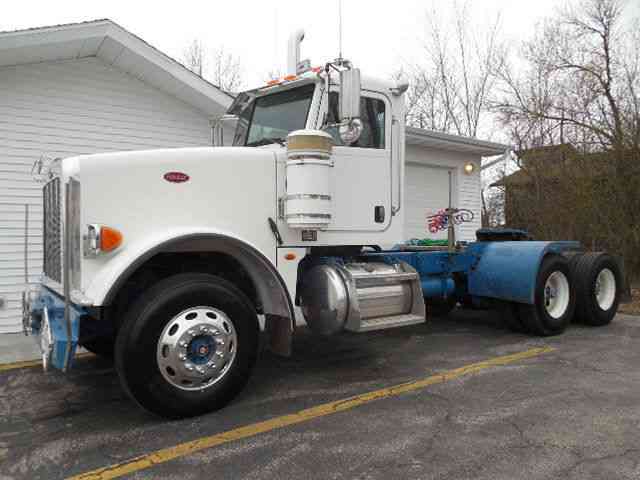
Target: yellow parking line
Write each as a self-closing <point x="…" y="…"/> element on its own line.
<point x="33" y="363"/>
<point x="164" y="455"/>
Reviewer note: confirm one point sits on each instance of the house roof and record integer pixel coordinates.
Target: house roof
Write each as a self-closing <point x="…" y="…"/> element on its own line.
<point x="456" y="143"/>
<point x="115" y="46"/>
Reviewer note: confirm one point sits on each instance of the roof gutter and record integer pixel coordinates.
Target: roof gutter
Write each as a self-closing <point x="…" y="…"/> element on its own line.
<point x="489" y="147"/>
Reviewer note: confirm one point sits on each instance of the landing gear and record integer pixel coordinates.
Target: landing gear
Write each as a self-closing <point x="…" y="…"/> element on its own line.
<point x="187" y="346"/>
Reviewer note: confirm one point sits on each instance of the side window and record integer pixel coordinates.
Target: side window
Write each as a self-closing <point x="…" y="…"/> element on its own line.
<point x="372" y="115"/>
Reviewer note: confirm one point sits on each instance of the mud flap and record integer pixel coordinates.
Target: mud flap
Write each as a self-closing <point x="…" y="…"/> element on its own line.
<point x="279" y="333"/>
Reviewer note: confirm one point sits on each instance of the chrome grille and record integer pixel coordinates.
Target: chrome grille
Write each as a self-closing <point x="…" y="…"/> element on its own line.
<point x="52" y="230"/>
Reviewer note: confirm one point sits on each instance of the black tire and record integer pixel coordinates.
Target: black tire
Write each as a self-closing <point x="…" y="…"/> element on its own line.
<point x="440" y="308"/>
<point x="586" y="269"/>
<point x="536" y="318"/>
<point x="102" y="347"/>
<point x="136" y="344"/>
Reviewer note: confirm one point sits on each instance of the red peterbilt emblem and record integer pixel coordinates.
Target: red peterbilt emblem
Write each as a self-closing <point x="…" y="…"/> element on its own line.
<point x="176" y="177"/>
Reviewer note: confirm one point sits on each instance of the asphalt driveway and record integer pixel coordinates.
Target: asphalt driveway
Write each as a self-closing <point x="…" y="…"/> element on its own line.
<point x="569" y="407"/>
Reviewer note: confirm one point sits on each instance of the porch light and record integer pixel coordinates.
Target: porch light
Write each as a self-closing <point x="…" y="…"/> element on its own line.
<point x="469" y="168"/>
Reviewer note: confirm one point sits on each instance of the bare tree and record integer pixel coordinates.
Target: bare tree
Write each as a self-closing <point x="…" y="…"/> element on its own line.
<point x="218" y="66"/>
<point x="581" y="81"/>
<point x="193" y="57"/>
<point x="226" y="70"/>
<point x="451" y="86"/>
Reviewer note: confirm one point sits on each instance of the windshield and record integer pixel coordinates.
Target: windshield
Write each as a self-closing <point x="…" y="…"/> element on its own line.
<point x="269" y="119"/>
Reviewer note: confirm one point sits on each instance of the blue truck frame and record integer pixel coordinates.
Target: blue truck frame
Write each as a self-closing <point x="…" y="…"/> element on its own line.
<point x="498" y="270"/>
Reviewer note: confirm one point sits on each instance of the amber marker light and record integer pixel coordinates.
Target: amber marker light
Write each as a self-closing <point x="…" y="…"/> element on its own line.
<point x="290" y="256"/>
<point x="110" y="239"/>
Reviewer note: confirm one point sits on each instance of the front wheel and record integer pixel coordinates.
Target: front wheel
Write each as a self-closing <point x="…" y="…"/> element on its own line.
<point x="187" y="346"/>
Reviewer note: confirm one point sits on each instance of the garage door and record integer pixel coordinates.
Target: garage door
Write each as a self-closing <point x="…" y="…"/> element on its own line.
<point x="426" y="192"/>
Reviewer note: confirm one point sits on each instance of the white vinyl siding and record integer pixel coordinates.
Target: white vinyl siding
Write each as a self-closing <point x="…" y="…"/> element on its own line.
<point x="61" y="109"/>
<point x="466" y="189"/>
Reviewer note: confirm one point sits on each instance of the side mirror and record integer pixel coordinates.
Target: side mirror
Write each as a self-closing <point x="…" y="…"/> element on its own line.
<point x="351" y="127"/>
<point x="349" y="94"/>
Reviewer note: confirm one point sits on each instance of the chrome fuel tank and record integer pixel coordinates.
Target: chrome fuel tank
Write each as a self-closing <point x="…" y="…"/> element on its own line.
<point x="361" y="297"/>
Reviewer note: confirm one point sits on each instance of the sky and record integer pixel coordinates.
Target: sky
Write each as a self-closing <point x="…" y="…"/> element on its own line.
<point x="378" y="36"/>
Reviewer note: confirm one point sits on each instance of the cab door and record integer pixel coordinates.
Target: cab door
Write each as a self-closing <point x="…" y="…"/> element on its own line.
<point x="362" y="171"/>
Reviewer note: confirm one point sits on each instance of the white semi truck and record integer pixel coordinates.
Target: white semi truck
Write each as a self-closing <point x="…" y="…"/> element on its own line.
<point x="168" y="259"/>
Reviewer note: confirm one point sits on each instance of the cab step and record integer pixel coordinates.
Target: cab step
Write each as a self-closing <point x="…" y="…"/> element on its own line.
<point x="386" y="296"/>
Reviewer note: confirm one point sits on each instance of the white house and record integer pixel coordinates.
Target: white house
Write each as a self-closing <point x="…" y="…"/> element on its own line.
<point x="95" y="87"/>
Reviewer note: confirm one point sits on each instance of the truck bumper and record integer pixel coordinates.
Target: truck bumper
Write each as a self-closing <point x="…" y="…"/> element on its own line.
<point x="43" y="316"/>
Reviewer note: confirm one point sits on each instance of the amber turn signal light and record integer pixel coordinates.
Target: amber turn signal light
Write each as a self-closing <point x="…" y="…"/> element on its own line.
<point x="110" y="239"/>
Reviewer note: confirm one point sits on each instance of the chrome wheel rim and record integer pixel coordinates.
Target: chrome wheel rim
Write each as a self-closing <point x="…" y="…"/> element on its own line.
<point x="556" y="294"/>
<point x="605" y="289"/>
<point x="196" y="349"/>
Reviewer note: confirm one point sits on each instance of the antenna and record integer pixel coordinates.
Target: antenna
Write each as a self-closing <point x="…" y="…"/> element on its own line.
<point x="273" y="73"/>
<point x="340" y="29"/>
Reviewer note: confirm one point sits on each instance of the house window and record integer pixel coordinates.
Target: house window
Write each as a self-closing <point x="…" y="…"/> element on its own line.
<point x="372" y="114"/>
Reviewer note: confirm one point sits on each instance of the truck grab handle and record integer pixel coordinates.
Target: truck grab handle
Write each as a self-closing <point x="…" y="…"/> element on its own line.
<point x="395" y="147"/>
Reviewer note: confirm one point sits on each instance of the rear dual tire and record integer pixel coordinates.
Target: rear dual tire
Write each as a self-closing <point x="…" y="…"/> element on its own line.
<point x="598" y="279"/>
<point x="586" y="288"/>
